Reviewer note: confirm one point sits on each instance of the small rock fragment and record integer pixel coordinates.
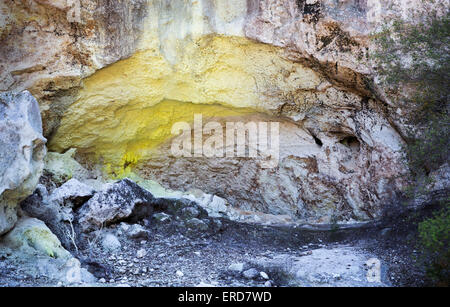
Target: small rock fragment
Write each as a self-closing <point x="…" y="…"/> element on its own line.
<point x="111" y="243"/>
<point x="136" y="231"/>
<point x="250" y="273"/>
<point x="141" y="253"/>
<point x="179" y="274"/>
<point x="189" y="213"/>
<point x="236" y="267"/>
<point x="196" y="224"/>
<point x="204" y="285"/>
<point x="162" y="217"/>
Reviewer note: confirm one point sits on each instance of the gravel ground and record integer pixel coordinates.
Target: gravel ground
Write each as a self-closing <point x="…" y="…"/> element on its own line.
<point x="170" y="256"/>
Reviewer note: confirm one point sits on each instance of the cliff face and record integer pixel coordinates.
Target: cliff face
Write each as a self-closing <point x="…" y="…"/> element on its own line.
<point x="112" y="77"/>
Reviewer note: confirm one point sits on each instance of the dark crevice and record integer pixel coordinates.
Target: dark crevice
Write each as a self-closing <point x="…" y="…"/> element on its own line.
<point x="351" y="142"/>
<point x="317" y="140"/>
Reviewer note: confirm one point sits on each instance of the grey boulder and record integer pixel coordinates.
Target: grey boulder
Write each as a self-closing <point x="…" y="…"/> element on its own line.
<point x="121" y="201"/>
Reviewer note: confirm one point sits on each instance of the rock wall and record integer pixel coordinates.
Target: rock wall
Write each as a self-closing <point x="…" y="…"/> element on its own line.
<point x="49" y="46"/>
<point x="112" y="77"/>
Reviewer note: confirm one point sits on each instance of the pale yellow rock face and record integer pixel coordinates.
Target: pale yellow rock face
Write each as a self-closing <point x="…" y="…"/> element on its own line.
<point x="128" y="108"/>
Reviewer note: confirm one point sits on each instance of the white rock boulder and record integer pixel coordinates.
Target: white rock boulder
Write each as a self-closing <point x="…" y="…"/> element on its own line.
<point x="22" y="150"/>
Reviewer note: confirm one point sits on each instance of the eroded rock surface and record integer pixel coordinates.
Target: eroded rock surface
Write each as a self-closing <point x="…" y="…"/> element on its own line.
<point x="22" y="150"/>
<point x="49" y="46"/>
